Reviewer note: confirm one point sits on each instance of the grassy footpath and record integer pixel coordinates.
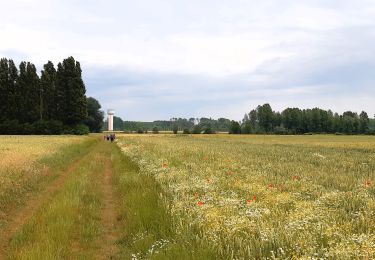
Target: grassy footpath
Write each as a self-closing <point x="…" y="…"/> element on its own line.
<point x="68" y="225"/>
<point x="149" y="231"/>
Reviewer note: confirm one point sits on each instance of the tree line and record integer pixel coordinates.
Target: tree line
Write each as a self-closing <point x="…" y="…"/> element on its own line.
<point x="54" y="103"/>
<point x="301" y="121"/>
<point x="191" y="125"/>
<point x="261" y="120"/>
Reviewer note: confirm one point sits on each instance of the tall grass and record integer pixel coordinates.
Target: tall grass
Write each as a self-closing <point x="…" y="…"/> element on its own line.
<point x="68" y="225"/>
<point x="149" y="228"/>
<point x="262" y="197"/>
<point x="26" y="181"/>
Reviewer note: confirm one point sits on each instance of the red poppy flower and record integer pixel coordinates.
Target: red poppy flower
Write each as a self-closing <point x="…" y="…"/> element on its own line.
<point x="229" y="173"/>
<point x="270" y="186"/>
<point x="368" y="184"/>
<point x="295" y="178"/>
<point x="165" y="164"/>
<point x="200" y="203"/>
<point x="254" y="197"/>
<point x="249" y="201"/>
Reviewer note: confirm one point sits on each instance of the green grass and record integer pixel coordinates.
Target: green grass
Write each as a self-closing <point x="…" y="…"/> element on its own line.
<point x="150" y="230"/>
<point x="53" y="165"/>
<point x="68" y="225"/>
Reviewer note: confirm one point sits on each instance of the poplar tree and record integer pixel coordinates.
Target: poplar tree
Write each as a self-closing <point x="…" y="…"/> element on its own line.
<point x="70" y="93"/>
<point x="47" y="88"/>
<point x="8" y="90"/>
<point x="29" y="92"/>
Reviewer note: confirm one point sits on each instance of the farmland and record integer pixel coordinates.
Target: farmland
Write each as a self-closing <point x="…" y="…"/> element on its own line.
<point x="266" y="196"/>
<point x="166" y="196"/>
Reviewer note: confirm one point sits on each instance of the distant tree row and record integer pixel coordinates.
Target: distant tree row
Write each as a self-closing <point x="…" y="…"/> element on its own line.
<point x="53" y="103"/>
<point x="300" y="121"/>
<point x="191" y="125"/>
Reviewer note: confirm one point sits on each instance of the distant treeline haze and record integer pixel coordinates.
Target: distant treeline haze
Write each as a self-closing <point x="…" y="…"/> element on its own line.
<point x="53" y="103"/>
<point x="263" y="120"/>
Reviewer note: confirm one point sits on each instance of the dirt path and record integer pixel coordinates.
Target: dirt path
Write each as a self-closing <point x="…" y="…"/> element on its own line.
<point x="31" y="206"/>
<point x="109" y="215"/>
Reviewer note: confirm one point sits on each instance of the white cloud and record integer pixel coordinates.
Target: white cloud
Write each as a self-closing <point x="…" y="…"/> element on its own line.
<point x="239" y="51"/>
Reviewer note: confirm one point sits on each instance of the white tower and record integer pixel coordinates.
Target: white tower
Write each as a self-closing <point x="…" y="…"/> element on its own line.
<point x="110" y="113"/>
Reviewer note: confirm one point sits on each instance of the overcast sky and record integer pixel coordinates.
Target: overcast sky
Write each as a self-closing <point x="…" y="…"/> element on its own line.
<point x="157" y="59"/>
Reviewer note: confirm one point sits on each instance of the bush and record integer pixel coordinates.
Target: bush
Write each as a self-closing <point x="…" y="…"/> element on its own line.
<point x="197" y="129"/>
<point x="41" y="127"/>
<point x="208" y="130"/>
<point x="10" y="127"/>
<point x="186" y="131"/>
<point x="175" y="129"/>
<point x="79" y="129"/>
<point x="140" y="131"/>
<point x="55" y="127"/>
<point x="155" y="130"/>
<point x="235" y="127"/>
<point x="280" y="130"/>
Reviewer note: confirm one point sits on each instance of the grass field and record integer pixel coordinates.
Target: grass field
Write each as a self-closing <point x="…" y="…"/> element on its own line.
<point x="187" y="197"/>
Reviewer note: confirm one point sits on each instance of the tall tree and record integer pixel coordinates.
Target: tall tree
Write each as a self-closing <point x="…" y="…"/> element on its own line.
<point x="70" y="93"/>
<point x="8" y="90"/>
<point x="28" y="86"/>
<point x="47" y="88"/>
<point x="265" y="117"/>
<point x="363" y="122"/>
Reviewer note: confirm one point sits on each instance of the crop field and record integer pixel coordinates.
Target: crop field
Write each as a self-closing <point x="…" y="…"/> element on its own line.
<point x="264" y="197"/>
<point x="165" y="196"/>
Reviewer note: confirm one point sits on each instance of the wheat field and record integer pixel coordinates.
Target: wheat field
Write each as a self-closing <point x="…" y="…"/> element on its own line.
<point x="270" y="197"/>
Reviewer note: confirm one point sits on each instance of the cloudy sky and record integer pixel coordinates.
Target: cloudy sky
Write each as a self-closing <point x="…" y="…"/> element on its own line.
<point x="157" y="59"/>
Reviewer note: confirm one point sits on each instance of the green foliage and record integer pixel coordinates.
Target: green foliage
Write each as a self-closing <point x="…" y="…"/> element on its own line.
<point x="208" y="130"/>
<point x="297" y="121"/>
<point x="28" y="87"/>
<point x="155" y="130"/>
<point x="95" y="116"/>
<point x="197" y="129"/>
<point x="235" y="127"/>
<point x="175" y="129"/>
<point x="70" y="93"/>
<point x="48" y="89"/>
<point x="186" y="131"/>
<point x="45" y="105"/>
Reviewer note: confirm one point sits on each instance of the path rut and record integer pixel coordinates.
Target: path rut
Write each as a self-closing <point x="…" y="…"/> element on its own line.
<point x="31" y="206"/>
<point x="110" y="235"/>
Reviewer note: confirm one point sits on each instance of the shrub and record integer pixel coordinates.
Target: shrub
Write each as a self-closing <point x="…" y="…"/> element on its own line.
<point x="186" y="131"/>
<point x="41" y="127"/>
<point x="175" y="129"/>
<point x="208" y="130"/>
<point x="197" y="129"/>
<point x="155" y="130"/>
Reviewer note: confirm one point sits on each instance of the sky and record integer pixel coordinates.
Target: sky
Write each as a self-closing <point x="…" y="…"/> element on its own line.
<point x="158" y="59"/>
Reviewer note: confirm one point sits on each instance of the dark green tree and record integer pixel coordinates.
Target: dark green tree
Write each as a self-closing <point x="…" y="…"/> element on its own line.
<point x="265" y="117"/>
<point x="48" y="90"/>
<point x="95" y="116"/>
<point x="70" y="93"/>
<point x="9" y="95"/>
<point x="235" y="127"/>
<point x="363" y="122"/>
<point x="28" y="87"/>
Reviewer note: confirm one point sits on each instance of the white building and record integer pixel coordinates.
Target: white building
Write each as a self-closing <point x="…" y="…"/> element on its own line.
<point x="110" y="113"/>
